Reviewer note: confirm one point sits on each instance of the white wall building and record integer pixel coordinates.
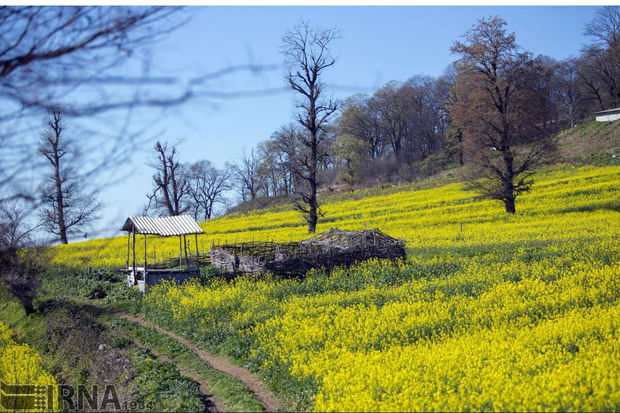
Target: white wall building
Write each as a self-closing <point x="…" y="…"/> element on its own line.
<point x="608" y="115"/>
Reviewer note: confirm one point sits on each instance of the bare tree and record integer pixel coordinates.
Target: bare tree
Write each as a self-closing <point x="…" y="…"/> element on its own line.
<point x="207" y="186"/>
<point x="307" y="53"/>
<point x="405" y="120"/>
<point x="599" y="66"/>
<point x="449" y="98"/>
<point x="287" y="142"/>
<point x="277" y="156"/>
<point x="47" y="54"/>
<point x="604" y="28"/>
<point x="67" y="207"/>
<point x="569" y="96"/>
<point x="19" y="270"/>
<point x="393" y="114"/>
<point x="270" y="167"/>
<point x="170" y="182"/>
<point x="424" y="133"/>
<point x="361" y="119"/>
<point x="247" y="172"/>
<point x="94" y="62"/>
<point x="40" y="37"/>
<point x="15" y="230"/>
<point x="499" y="109"/>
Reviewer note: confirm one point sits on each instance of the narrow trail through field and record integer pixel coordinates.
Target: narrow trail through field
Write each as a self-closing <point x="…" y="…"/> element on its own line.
<point x="212" y="404"/>
<point x="264" y="395"/>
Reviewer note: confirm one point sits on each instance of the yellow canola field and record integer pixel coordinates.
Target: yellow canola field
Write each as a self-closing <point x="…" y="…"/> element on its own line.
<point x="514" y="313"/>
<point x="575" y="197"/>
<point x="21" y="364"/>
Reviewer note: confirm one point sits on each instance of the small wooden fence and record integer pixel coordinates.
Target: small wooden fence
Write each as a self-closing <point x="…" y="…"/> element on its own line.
<point x="201" y="259"/>
<point x="332" y="249"/>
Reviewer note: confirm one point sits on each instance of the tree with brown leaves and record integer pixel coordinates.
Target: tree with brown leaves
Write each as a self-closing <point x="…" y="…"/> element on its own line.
<point x="499" y="110"/>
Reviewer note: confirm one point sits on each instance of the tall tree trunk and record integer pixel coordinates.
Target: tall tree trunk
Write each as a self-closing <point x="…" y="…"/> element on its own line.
<point x="307" y="51"/>
<point x="313" y="217"/>
<point x="509" y="195"/>
<point x="60" y="204"/>
<point x="460" y="143"/>
<point x="28" y="307"/>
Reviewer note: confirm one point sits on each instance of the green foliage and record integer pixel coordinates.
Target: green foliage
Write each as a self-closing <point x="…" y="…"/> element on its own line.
<point x="104" y="284"/>
<point x="160" y="385"/>
<point x="77" y="349"/>
<point x="229" y="390"/>
<point x="353" y="153"/>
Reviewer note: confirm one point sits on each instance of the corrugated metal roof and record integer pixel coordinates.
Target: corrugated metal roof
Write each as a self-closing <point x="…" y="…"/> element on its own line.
<point x="165" y="226"/>
<point x="603" y="112"/>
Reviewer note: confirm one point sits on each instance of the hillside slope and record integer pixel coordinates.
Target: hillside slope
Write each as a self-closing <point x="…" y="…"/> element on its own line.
<point x="426" y="218"/>
<point x="513" y="313"/>
<point x="590" y="143"/>
<point x="596" y="143"/>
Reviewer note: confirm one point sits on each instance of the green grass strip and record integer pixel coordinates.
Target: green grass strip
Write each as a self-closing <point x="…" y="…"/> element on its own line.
<point x="229" y="390"/>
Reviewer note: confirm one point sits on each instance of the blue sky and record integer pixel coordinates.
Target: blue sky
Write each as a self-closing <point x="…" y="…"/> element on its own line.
<point x="378" y="44"/>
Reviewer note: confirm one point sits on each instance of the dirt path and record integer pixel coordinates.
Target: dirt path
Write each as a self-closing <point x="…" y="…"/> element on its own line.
<point x="265" y="396"/>
<point x="212" y="404"/>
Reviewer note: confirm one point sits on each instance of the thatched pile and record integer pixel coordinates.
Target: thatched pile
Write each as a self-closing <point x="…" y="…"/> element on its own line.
<point x="331" y="249"/>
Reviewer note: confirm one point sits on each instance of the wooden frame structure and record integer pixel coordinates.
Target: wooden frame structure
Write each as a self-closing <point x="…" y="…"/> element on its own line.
<point x="331" y="249"/>
<point x="181" y="226"/>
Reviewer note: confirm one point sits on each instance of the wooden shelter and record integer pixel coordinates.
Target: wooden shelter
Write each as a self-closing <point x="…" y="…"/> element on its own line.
<point x="181" y="226"/>
<point x="331" y="249"/>
<point x="608" y="115"/>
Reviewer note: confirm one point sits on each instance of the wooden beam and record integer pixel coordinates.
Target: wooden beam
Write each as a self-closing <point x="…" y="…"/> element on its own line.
<point x="135" y="277"/>
<point x="144" y="275"/>
<point x="197" y="256"/>
<point x="185" y="245"/>
<point x="128" y="246"/>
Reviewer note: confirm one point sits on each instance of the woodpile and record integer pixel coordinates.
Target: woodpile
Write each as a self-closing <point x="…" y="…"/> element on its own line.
<point x="331" y="249"/>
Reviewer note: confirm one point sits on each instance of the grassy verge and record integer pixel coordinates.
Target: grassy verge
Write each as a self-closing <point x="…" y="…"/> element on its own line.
<point x="229" y="390"/>
<point x="159" y="386"/>
<point x="77" y="349"/>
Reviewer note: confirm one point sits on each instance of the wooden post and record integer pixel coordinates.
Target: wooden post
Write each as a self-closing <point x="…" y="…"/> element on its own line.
<point x="180" y="252"/>
<point x="185" y="246"/>
<point x="128" y="242"/>
<point x="133" y="249"/>
<point x="144" y="273"/>
<point x="197" y="256"/>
